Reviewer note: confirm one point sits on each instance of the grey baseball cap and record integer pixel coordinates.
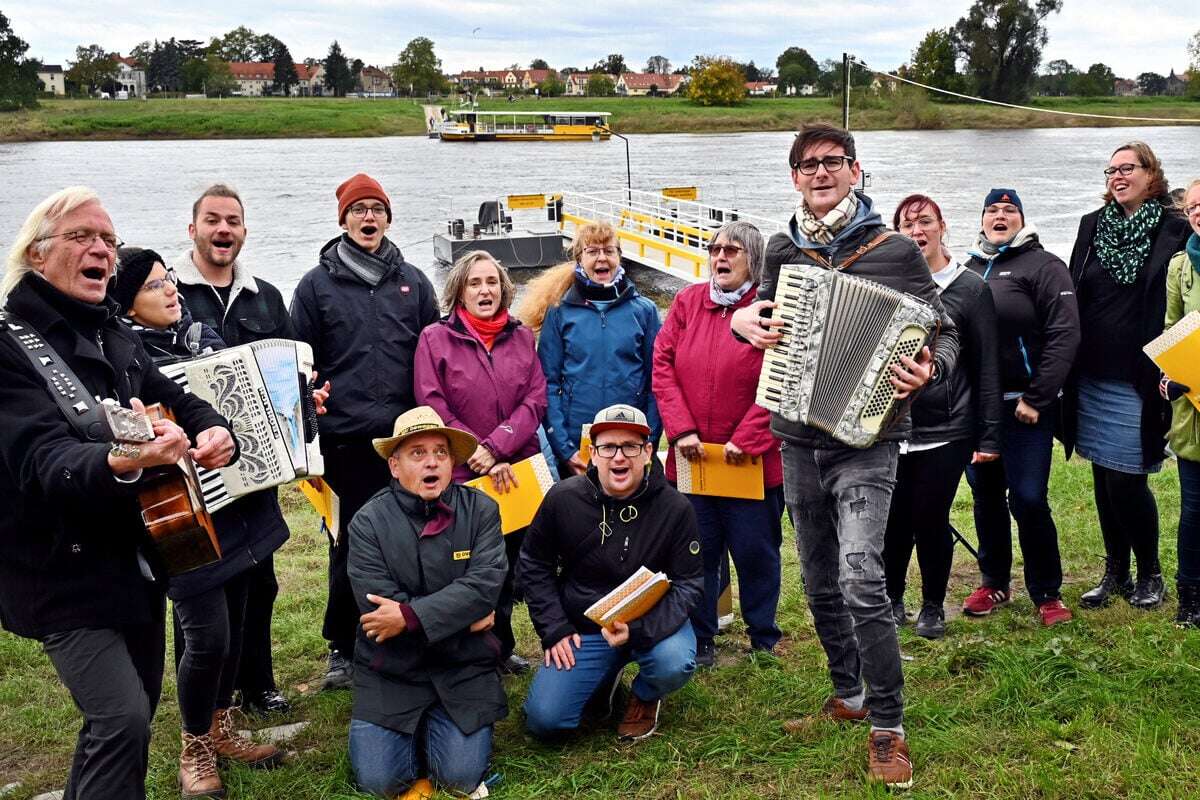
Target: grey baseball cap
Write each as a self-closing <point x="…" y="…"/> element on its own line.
<point x="620" y="416"/>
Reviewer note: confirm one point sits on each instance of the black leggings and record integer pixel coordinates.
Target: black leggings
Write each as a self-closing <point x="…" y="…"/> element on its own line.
<point x="926" y="481"/>
<point x="210" y="625"/>
<point x="1128" y="520"/>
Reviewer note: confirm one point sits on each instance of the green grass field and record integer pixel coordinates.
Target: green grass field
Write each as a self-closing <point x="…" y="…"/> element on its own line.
<point x="1000" y="708"/>
<point x="241" y="118"/>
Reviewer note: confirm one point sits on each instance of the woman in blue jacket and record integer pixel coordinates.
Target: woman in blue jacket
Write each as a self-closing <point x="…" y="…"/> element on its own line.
<point x="596" y="344"/>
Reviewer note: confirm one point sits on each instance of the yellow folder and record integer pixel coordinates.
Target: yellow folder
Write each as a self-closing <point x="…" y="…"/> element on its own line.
<point x="1177" y="354"/>
<point x="518" y="506"/>
<point x="585" y="444"/>
<point x="325" y="501"/>
<point x="712" y="476"/>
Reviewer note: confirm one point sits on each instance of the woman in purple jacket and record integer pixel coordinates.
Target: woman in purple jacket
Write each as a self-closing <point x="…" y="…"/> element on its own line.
<point x="478" y="368"/>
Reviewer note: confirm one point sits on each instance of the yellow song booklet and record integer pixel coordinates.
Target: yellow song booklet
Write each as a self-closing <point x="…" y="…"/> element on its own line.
<point x="1177" y="354"/>
<point x="631" y="600"/>
<point x="518" y="505"/>
<point x="714" y="477"/>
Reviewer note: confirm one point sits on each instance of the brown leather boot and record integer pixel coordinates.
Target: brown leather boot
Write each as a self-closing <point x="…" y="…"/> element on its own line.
<point x="232" y="747"/>
<point x="198" y="768"/>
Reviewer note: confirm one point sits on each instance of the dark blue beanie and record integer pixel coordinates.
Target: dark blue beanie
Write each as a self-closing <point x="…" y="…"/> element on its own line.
<point x="1004" y="196"/>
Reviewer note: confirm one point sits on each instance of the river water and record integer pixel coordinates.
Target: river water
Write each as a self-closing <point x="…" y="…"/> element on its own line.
<point x="288" y="184"/>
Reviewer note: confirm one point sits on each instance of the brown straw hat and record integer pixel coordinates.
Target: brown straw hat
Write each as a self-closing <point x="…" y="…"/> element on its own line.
<point x="424" y="419"/>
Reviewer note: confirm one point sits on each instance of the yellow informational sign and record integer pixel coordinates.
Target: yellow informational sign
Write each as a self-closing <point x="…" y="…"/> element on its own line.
<point x="681" y="192"/>
<point x="526" y="202"/>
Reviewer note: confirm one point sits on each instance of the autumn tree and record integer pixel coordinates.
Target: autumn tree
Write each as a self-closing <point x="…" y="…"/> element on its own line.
<point x="717" y="81"/>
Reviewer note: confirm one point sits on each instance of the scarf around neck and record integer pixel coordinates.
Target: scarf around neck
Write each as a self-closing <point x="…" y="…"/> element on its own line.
<point x="823" y="230"/>
<point x="1123" y="243"/>
<point x="600" y="291"/>
<point x="724" y="298"/>
<point x="486" y="329"/>
<point x="1193" y="250"/>
<point x="371" y="268"/>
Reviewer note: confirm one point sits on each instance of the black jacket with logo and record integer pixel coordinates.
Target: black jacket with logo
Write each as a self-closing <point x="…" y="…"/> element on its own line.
<point x="363" y="339"/>
<point x="567" y="563"/>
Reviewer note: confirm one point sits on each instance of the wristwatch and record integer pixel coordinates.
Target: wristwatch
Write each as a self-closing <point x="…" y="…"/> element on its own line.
<point x="122" y="450"/>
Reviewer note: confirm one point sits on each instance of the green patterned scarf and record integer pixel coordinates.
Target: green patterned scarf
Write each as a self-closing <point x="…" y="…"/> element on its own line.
<point x="1122" y="243"/>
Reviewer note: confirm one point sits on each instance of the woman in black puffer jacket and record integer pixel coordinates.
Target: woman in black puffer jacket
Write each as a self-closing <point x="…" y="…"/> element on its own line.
<point x="954" y="422"/>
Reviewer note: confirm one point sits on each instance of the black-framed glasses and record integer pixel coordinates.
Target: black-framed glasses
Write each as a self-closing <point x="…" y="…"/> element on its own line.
<point x="1124" y="169"/>
<point x="360" y="211"/>
<point x="831" y="164"/>
<point x="159" y="283"/>
<point x="85" y="237"/>
<point x="629" y="449"/>
<point x="729" y="250"/>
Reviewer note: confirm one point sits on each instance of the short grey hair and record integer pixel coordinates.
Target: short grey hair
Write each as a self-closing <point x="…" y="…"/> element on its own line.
<point x="748" y="236"/>
<point x="38" y="225"/>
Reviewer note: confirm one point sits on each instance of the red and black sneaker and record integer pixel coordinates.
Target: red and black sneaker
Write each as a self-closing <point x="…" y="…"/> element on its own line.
<point x="983" y="600"/>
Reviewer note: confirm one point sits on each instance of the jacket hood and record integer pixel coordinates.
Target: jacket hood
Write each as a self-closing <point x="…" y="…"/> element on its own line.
<point x="1028" y="235"/>
<point x="866" y="216"/>
<point x="187" y="272"/>
<point x="575" y="298"/>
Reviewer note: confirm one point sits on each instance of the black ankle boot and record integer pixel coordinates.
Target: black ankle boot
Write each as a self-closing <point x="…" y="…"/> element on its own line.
<point x="1112" y="585"/>
<point x="1149" y="592"/>
<point x="1188" y="615"/>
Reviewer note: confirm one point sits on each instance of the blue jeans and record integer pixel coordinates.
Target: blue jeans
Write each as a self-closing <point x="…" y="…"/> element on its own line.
<point x="752" y="531"/>
<point x="1018" y="481"/>
<point x="1189" y="522"/>
<point x="557" y="696"/>
<point x="839" y="499"/>
<point x="386" y="762"/>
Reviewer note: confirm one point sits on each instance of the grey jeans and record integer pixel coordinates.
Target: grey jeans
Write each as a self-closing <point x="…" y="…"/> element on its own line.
<point x="839" y="500"/>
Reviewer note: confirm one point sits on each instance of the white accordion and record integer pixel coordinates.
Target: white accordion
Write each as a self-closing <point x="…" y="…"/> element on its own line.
<point x="841" y="336"/>
<point x="263" y="389"/>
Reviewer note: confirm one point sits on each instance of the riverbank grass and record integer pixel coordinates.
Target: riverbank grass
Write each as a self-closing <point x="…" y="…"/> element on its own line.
<point x="1000" y="708"/>
<point x="242" y="118"/>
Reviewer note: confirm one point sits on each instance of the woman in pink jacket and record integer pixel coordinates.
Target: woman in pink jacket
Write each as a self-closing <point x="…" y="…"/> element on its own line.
<point x="478" y="368"/>
<point x="704" y="384"/>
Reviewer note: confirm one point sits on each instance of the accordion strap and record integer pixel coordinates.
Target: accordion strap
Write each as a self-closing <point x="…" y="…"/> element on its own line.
<point x="861" y="251"/>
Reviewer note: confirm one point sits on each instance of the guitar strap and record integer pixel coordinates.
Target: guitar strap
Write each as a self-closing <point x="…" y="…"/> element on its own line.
<point x="81" y="411"/>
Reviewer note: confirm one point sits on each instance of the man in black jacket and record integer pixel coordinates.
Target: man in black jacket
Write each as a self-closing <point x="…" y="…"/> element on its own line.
<point x="220" y="291"/>
<point x="78" y="571"/>
<point x="362" y="309"/>
<point x="839" y="496"/>
<point x="592" y="532"/>
<point x="426" y="564"/>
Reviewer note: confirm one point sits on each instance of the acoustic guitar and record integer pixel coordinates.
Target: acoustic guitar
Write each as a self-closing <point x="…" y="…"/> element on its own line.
<point x="172" y="506"/>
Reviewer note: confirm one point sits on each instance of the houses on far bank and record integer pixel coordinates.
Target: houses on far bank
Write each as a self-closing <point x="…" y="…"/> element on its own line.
<point x="53" y="79"/>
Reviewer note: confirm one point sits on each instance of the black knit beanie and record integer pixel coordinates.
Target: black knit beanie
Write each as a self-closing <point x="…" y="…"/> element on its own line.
<point x="133" y="266"/>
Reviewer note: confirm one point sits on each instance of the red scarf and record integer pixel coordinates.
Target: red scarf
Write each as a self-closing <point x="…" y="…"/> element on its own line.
<point x="486" y="329"/>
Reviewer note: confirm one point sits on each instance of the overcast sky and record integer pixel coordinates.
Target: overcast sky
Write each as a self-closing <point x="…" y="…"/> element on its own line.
<point x="1131" y="37"/>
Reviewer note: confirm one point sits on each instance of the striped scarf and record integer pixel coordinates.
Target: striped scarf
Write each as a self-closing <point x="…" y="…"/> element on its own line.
<point x="824" y="229"/>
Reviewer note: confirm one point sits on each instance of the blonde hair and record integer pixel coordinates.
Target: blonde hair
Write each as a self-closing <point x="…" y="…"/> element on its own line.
<point x="593" y="233"/>
<point x="544" y="291"/>
<point x="1182" y="202"/>
<point x="456" y="281"/>
<point x="39" y="225"/>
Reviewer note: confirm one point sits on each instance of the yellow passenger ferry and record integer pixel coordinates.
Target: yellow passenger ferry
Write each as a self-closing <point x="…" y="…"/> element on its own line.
<point x="529" y="126"/>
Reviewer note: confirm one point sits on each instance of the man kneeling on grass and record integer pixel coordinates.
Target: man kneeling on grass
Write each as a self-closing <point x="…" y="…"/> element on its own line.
<point x="592" y="532"/>
<point x="426" y="564"/>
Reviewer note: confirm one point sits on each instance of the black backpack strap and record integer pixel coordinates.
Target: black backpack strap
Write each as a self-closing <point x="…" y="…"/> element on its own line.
<point x="81" y="411"/>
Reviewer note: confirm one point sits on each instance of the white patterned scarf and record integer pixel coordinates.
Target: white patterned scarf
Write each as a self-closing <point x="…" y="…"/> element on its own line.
<point x="824" y="229"/>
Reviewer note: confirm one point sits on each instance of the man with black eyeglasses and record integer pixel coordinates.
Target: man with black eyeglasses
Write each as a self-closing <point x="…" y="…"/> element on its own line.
<point x="838" y="496"/>
<point x="362" y="309"/>
<point x="592" y="532"/>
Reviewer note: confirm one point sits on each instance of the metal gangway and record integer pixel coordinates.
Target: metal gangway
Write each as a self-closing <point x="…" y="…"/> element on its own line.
<point x="656" y="230"/>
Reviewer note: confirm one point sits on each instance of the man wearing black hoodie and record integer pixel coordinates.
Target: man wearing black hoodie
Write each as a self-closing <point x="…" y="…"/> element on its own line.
<point x="592" y="532"/>
<point x="362" y="309"/>
<point x="839" y="496"/>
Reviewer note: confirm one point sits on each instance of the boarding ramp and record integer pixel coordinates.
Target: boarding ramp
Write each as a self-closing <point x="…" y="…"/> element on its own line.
<point x="663" y="230"/>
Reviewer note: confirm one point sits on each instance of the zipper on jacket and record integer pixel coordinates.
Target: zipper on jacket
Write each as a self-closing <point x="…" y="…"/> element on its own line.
<point x="1024" y="355"/>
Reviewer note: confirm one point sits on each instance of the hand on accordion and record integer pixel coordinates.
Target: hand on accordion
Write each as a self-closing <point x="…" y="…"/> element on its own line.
<point x="908" y="376"/>
<point x="320" y="395"/>
<point x="759" y="331"/>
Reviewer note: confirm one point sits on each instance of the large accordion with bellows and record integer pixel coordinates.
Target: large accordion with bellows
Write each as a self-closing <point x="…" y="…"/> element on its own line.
<point x="841" y="336"/>
<point x="264" y="389"/>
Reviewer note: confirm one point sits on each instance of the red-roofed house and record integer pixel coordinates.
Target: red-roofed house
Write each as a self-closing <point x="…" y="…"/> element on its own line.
<point x="257" y="78"/>
<point x="376" y="82"/>
<point x="531" y="78"/>
<point x="639" y="84"/>
<point x="761" y="88"/>
<point x="576" y="82"/>
<point x="131" y="76"/>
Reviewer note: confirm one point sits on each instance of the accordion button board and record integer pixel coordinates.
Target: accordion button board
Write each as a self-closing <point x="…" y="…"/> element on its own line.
<point x="831" y="369"/>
